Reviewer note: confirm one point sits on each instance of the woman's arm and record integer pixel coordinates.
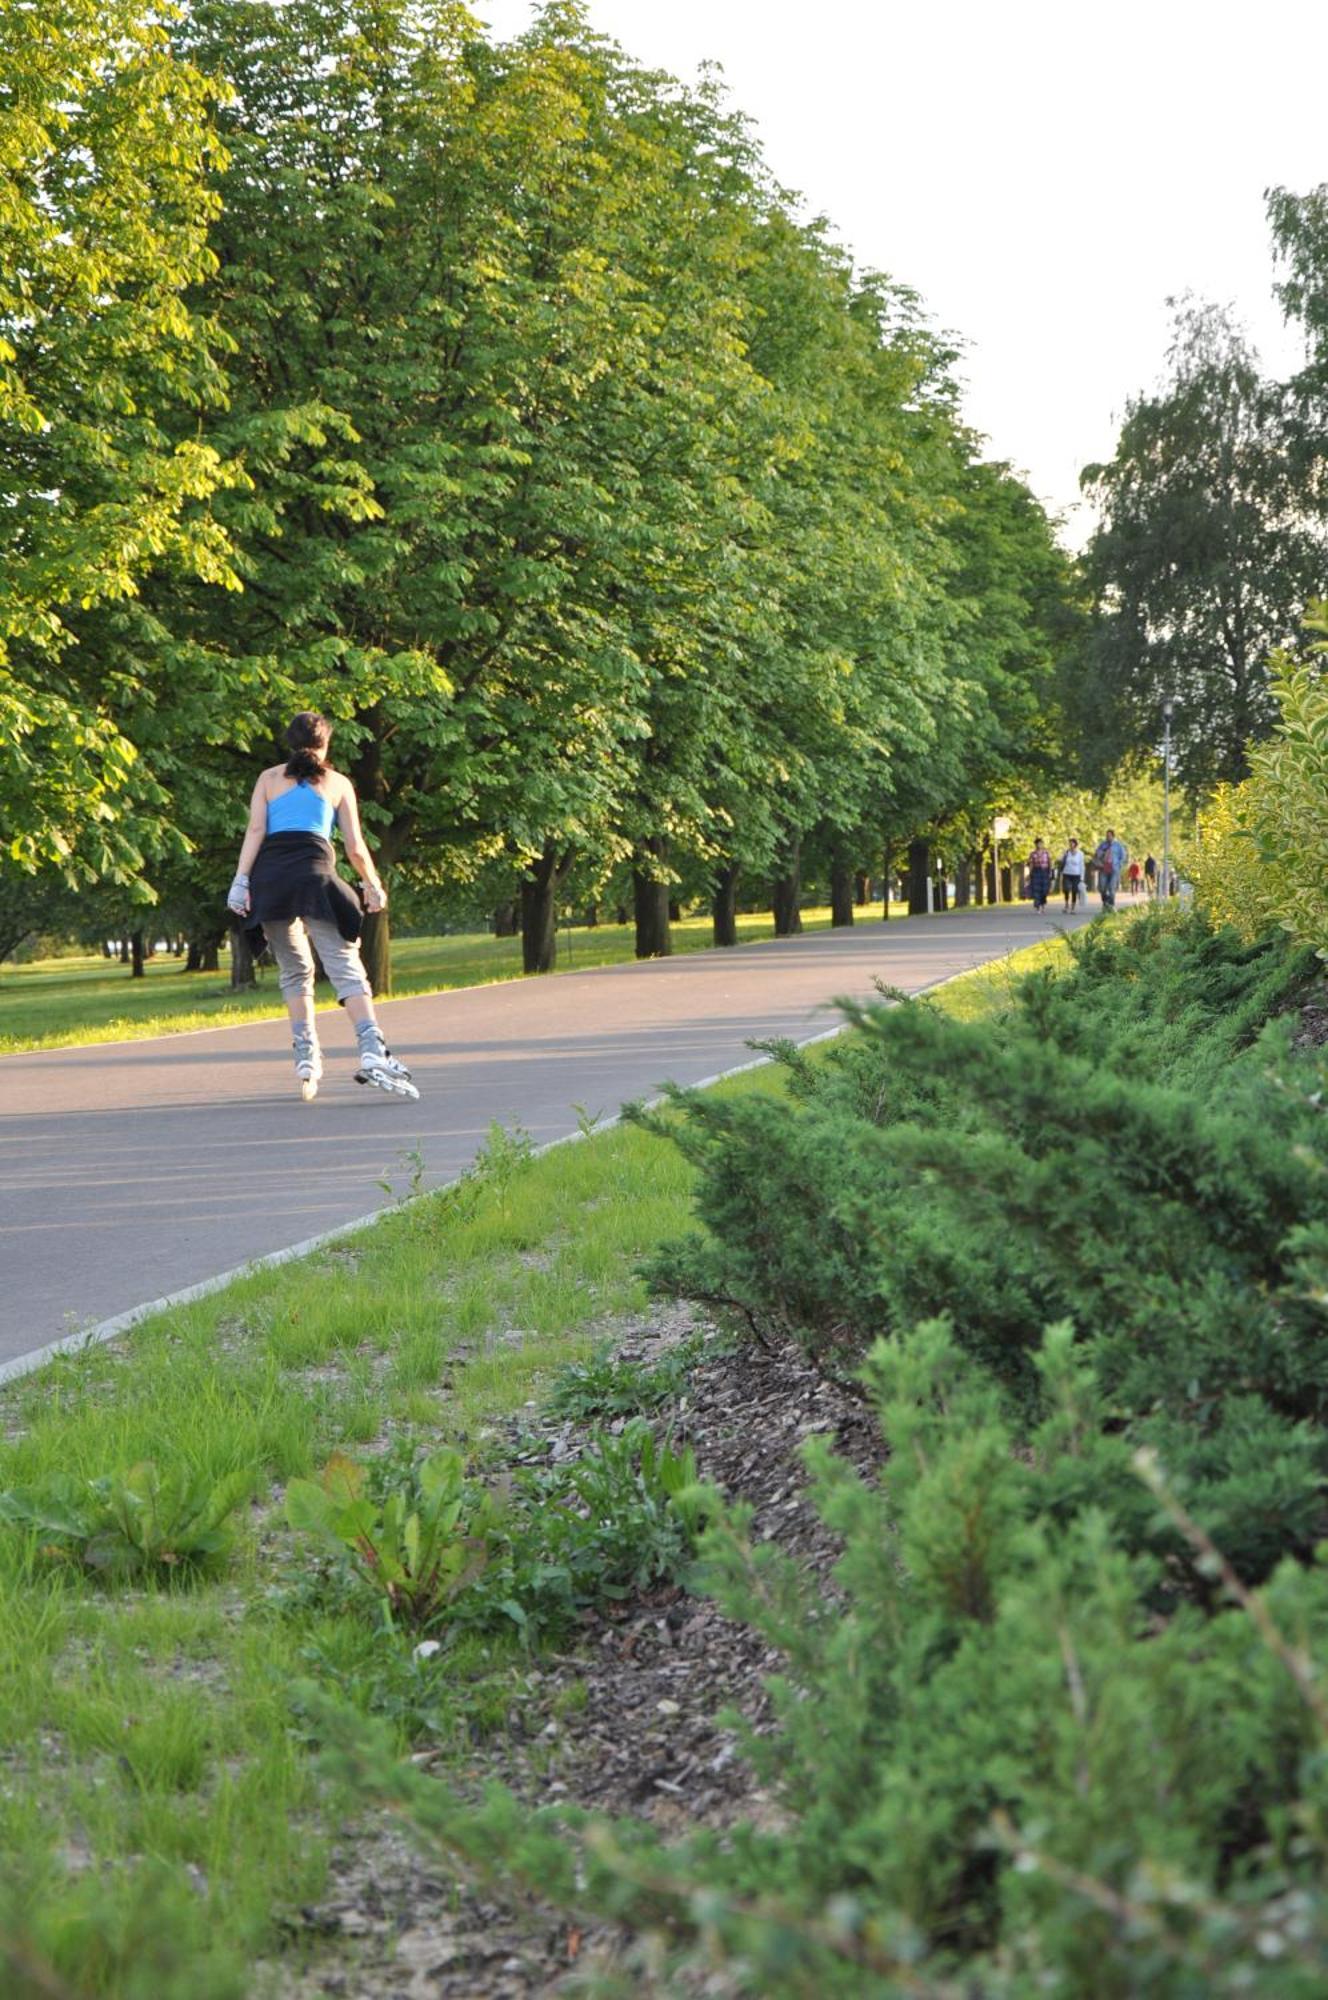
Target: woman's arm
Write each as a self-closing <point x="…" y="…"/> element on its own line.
<point x="254" y="833"/>
<point x="256" y="830"/>
<point x="358" y="855"/>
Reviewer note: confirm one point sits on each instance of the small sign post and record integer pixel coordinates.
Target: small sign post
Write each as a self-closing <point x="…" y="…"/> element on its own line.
<point x="1000" y="830"/>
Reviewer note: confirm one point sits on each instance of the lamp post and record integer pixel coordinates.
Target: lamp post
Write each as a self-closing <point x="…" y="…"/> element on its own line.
<point x="1164" y="887"/>
<point x="1000" y="830"/>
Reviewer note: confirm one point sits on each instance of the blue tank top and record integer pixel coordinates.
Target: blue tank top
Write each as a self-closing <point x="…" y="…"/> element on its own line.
<point x="301" y="810"/>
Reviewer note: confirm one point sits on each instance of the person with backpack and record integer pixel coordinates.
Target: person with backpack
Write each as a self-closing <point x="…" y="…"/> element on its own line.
<point x="1109" y="858"/>
<point x="1039" y="874"/>
<point x="1150" y="874"/>
<point x="1072" y="874"/>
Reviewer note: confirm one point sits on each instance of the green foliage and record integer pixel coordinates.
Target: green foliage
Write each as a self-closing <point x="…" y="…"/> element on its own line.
<point x="1205" y="559"/>
<point x="605" y="1387"/>
<point x="105" y="152"/>
<point x="139" y="1931"/>
<point x="417" y="1548"/>
<point x="444" y="1557"/>
<point x="998" y="1769"/>
<point x="1113" y="1152"/>
<point x="1261" y="864"/>
<point x="146" y="1522"/>
<point x="619" y="522"/>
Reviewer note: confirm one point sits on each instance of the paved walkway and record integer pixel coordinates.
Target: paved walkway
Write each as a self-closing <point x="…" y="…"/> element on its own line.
<point x="132" y="1170"/>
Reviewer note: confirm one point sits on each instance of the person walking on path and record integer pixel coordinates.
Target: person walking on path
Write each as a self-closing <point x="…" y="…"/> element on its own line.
<point x="1039" y="874"/>
<point x="1150" y="874"/>
<point x="1136" y="878"/>
<point x="287" y="889"/>
<point x="1072" y="874"/>
<point x="1109" y="858"/>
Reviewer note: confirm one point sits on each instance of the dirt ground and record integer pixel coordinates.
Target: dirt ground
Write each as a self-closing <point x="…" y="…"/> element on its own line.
<point x="642" y="1736"/>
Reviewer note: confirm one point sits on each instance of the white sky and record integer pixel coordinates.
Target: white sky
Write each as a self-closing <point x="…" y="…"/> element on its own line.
<point x="1044" y="172"/>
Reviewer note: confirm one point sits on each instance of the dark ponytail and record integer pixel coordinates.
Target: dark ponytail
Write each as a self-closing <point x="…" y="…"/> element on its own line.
<point x="308" y="736"/>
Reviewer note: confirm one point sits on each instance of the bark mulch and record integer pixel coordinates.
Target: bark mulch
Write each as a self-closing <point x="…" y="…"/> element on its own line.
<point x="640" y="1734"/>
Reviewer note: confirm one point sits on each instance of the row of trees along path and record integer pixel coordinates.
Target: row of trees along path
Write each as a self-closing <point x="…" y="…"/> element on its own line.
<point x="493" y="398"/>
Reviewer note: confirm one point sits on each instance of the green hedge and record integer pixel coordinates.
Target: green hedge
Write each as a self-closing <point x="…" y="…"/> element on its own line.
<point x="1131" y="1149"/>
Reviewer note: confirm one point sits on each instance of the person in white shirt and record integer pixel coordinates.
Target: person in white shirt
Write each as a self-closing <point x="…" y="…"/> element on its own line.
<point x="1072" y="874"/>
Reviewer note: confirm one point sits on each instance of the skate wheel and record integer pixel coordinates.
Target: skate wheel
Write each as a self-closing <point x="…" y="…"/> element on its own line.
<point x="309" y="1091"/>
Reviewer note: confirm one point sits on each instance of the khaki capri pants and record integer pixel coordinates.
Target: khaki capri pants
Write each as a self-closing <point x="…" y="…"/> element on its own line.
<point x="289" y="939"/>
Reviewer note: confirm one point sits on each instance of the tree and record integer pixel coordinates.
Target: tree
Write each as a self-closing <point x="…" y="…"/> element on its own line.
<point x="105" y="142"/>
<point x="1204" y="562"/>
<point x="463" y="379"/>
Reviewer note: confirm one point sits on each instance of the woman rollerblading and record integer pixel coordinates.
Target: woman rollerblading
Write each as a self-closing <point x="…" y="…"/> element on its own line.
<point x="287" y="889"/>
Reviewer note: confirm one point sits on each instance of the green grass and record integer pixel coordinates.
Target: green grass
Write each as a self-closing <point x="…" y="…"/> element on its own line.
<point x="56" y="1002"/>
<point x="159" y="1809"/>
<point x="992" y="986"/>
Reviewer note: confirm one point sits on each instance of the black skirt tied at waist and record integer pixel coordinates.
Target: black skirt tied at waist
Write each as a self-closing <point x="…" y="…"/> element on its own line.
<point x="295" y="875"/>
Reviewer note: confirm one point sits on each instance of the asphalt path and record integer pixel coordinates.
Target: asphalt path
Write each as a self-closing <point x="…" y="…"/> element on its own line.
<point x="130" y="1171"/>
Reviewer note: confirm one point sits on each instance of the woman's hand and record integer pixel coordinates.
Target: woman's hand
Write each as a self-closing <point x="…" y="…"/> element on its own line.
<point x="375" y="898"/>
<point x="237" y="897"/>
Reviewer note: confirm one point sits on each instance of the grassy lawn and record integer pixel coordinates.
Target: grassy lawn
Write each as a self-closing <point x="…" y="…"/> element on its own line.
<point x="55" y="1002"/>
<point x="158" y="1810"/>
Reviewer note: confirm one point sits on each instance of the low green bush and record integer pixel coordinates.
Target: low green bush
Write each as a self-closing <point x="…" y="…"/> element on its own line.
<point x="1172" y="1206"/>
<point x="411" y="1549"/>
<point x="147" y="1522"/>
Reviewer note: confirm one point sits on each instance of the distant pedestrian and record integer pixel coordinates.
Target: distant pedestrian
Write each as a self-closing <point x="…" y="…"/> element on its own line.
<point x="1136" y="878"/>
<point x="1039" y="874"/>
<point x="1109" y="858"/>
<point x="1150" y="874"/>
<point x="1072" y="874"/>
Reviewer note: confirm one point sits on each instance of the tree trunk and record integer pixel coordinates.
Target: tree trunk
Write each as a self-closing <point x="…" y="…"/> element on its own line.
<point x="204" y="947"/>
<point x="961" y="883"/>
<point x="862" y="888"/>
<point x="1007" y="886"/>
<point x="989" y="870"/>
<point x="539" y="913"/>
<point x="592" y="916"/>
<point x="106" y="951"/>
<point x="505" y="919"/>
<point x="919" y="872"/>
<point x="887" y="859"/>
<point x="841" y="894"/>
<point x="650" y="901"/>
<point x="136" y="952"/>
<point x="622" y="916"/>
<point x="975" y="870"/>
<point x="242" y="959"/>
<point x="940" y="892"/>
<point x="675" y="910"/>
<point x="786" y="891"/>
<point x="725" y="904"/>
<point x="376" y="951"/>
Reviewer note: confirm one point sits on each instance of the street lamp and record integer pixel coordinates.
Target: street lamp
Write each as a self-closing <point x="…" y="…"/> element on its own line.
<point x="1164" y="887"/>
<point x="1000" y="830"/>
